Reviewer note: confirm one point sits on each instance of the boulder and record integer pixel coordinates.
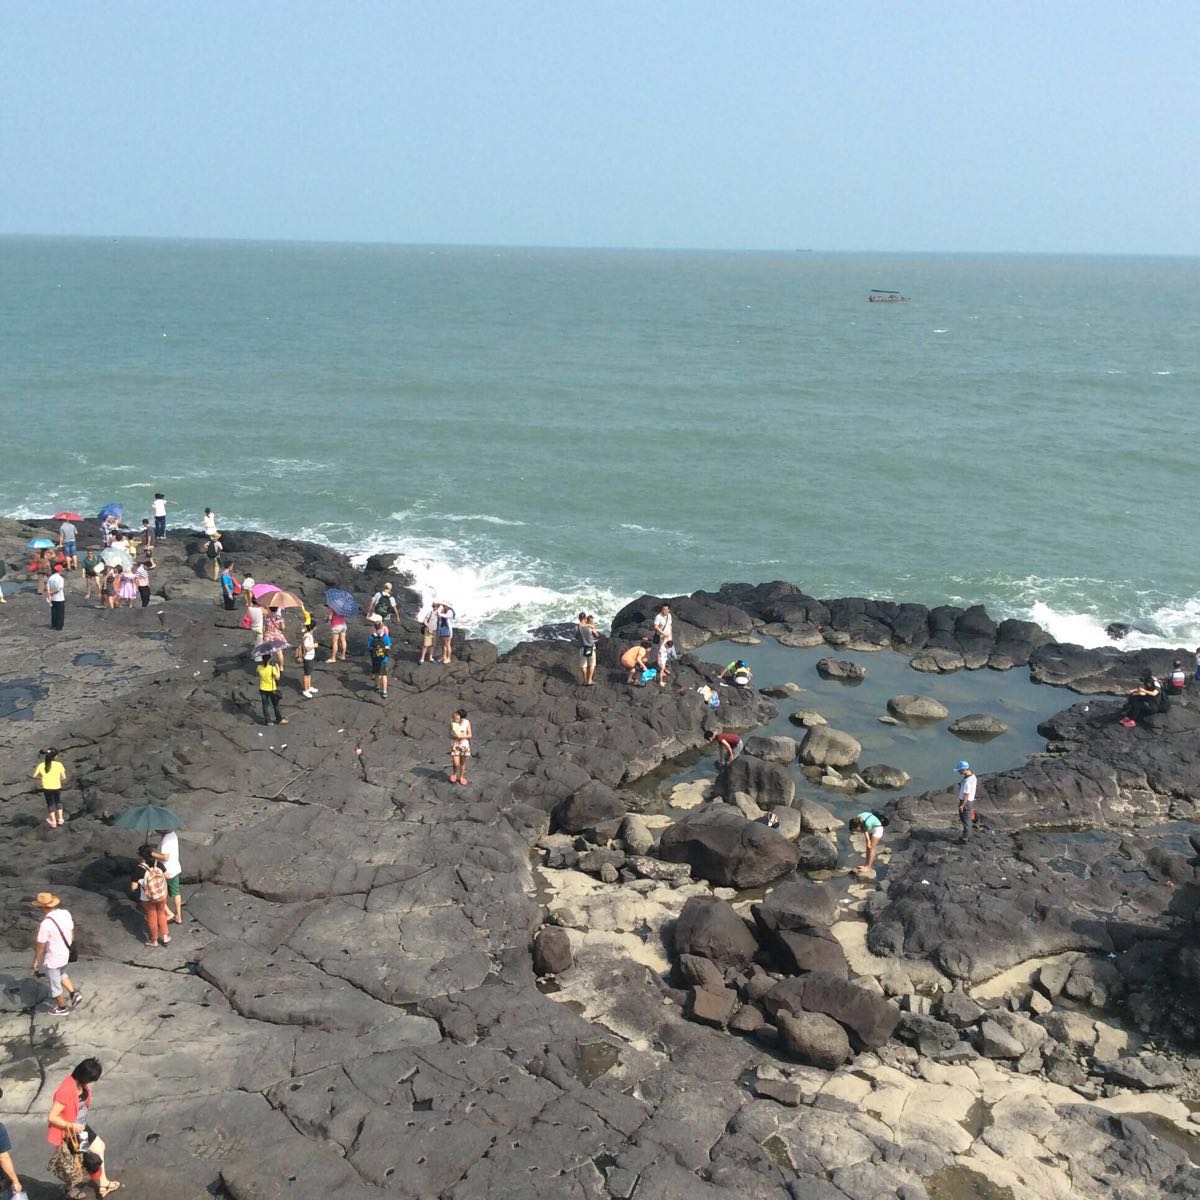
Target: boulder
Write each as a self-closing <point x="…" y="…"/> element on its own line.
<point x="781" y="691"/>
<point x="798" y="951"/>
<point x="782" y="1091"/>
<point x="880" y="775"/>
<point x="841" y="668"/>
<point x="1146" y="1072"/>
<point x="817" y="818"/>
<point x="917" y="708"/>
<point x="723" y="847"/>
<point x="584" y="809"/>
<point x="747" y="1019"/>
<point x="1006" y="1034"/>
<point x="807" y="718"/>
<point x="815" y="853"/>
<point x="824" y="746"/>
<point x="746" y="806"/>
<point x="711" y="929"/>
<point x="978" y="726"/>
<point x="551" y="951"/>
<point x="701" y="972"/>
<point x="636" y="835"/>
<point x="958" y="1009"/>
<point x="936" y="660"/>
<point x="711" y="1006"/>
<point x="866" y="1014"/>
<point x="813" y="1038"/>
<point x="780" y="749"/>
<point x="790" y="823"/>
<point x="766" y="783"/>
<point x="1077" y="1032"/>
<point x="796" y="904"/>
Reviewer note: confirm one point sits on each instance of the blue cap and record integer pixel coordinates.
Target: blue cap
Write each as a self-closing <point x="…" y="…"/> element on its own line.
<point x="963" y="766"/>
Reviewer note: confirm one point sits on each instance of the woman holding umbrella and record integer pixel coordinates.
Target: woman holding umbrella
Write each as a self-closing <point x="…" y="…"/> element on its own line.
<point x="340" y="605"/>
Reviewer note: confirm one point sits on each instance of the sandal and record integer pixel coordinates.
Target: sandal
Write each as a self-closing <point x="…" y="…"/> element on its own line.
<point x="107" y="1191"/>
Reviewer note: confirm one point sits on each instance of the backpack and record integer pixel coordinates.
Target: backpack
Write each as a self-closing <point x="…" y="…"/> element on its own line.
<point x="880" y="818"/>
<point x="156" y="884"/>
<point x="212" y="550"/>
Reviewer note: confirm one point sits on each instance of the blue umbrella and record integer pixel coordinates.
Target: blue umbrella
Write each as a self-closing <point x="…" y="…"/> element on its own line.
<point x="38" y="543"/>
<point x="341" y="602"/>
<point x="148" y="817"/>
<point x="111" y="510"/>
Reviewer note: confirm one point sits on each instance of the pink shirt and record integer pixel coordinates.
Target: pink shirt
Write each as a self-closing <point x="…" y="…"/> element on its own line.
<point x="55" y="932"/>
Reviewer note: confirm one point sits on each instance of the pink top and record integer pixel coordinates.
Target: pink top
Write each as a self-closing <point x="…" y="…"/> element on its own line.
<point x="55" y="932"/>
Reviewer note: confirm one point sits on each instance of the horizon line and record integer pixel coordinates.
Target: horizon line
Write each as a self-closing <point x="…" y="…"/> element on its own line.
<point x="226" y="239"/>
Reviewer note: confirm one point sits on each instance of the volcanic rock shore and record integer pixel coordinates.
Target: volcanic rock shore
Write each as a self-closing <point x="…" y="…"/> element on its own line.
<point x="351" y="1007"/>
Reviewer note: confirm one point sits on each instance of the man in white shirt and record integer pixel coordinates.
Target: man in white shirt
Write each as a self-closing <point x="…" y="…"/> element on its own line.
<point x="159" y="509"/>
<point x="663" y="624"/>
<point x="966" y="798"/>
<point x="56" y="597"/>
<point x="167" y="855"/>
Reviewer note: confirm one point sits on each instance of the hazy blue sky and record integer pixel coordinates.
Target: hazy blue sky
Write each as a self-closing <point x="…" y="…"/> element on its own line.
<point x="974" y="125"/>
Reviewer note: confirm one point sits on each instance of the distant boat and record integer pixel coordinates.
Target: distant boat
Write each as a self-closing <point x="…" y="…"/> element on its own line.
<point x="881" y="297"/>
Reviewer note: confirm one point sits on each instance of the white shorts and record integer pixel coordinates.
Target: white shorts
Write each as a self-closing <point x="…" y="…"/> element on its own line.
<point x="55" y="976"/>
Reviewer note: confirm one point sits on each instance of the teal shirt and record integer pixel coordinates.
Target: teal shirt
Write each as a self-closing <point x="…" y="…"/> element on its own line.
<point x="870" y="821"/>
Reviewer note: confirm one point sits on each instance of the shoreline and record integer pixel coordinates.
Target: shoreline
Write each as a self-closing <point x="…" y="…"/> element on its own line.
<point x="355" y="982"/>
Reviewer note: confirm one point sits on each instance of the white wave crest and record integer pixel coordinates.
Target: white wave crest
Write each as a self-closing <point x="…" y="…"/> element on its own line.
<point x="1169" y="625"/>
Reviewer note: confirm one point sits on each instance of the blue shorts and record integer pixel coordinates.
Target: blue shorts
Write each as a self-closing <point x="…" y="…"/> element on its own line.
<point x="379" y="666"/>
<point x="69" y="549"/>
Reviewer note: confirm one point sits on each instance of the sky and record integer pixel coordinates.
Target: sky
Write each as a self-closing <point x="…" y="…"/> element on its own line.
<point x="996" y="126"/>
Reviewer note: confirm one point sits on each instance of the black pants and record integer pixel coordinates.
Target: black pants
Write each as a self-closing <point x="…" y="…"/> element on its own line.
<point x="270" y="700"/>
<point x="160" y="528"/>
<point x="227" y="600"/>
<point x="144" y="592"/>
<point x="58" y="614"/>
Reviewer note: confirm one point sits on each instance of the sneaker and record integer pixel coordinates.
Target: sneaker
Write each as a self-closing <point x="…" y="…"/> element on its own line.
<point x="314" y="691"/>
<point x="1128" y="723"/>
<point x="307" y="694"/>
<point x="59" y="1012"/>
<point x="76" y="999"/>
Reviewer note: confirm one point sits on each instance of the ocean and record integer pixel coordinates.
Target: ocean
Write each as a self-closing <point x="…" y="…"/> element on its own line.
<point x="535" y="432"/>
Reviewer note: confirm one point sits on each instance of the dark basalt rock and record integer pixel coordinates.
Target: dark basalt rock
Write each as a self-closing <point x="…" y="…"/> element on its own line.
<point x="813" y="1038"/>
<point x="709" y="928"/>
<point x="551" y="951"/>
<point x="869" y="1017"/>
<point x="841" y="668"/>
<point x="796" y="904"/>
<point x="592" y="804"/>
<point x="723" y="847"/>
<point x="766" y="783"/>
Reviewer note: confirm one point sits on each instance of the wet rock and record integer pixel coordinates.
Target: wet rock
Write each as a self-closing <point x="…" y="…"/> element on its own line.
<point x="813" y="1038"/>
<point x="912" y="707"/>
<point x="780" y="749"/>
<point x="723" y="847"/>
<point x="551" y="951"/>
<point x="711" y="929"/>
<point x="879" y="775"/>
<point x="938" y="661"/>
<point x="781" y="691"/>
<point x="977" y="725"/>
<point x="824" y="746"/>
<point x="766" y="783"/>
<point x="840" y="668"/>
<point x="712" y="1006"/>
<point x="808" y="718"/>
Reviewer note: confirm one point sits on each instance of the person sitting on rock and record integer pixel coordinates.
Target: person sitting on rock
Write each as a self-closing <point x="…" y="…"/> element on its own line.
<point x="1142" y="701"/>
<point x="738" y="672"/>
<point x="870" y="825"/>
<point x="728" y="745"/>
<point x="1177" y="680"/>
<point x="634" y="660"/>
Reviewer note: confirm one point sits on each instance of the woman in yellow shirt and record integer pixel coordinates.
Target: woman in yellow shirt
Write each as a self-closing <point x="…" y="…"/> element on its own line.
<point x="52" y="775"/>
<point x="268" y="690"/>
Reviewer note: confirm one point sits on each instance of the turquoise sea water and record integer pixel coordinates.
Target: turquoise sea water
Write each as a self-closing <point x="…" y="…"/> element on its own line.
<point x="539" y="431"/>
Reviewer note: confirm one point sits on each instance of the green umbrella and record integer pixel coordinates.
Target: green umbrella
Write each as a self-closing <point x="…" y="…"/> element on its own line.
<point x="148" y="817"/>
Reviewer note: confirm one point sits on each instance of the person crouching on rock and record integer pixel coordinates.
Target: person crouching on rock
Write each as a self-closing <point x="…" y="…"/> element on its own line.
<point x="1141" y="701"/>
<point x="737" y="673"/>
<point x="870" y="825"/>
<point x="728" y="745"/>
<point x="460" y="746"/>
<point x="635" y="659"/>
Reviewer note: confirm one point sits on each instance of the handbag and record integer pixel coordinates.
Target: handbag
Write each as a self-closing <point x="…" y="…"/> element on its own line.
<point x="66" y="1163"/>
<point x="72" y="953"/>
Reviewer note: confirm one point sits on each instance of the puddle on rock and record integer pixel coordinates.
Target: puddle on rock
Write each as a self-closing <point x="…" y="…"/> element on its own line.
<point x="594" y="1059"/>
<point x="92" y="658"/>
<point x="18" y="697"/>
<point x="154" y="637"/>
<point x="961" y="1183"/>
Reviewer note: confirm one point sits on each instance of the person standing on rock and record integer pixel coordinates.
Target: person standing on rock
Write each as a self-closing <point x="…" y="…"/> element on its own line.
<point x="384" y="603"/>
<point x="55" y="936"/>
<point x="268" y="690"/>
<point x="587" y="635"/>
<point x="213" y="549"/>
<point x="7" y="1169"/>
<point x="88" y="571"/>
<point x="56" y="597"/>
<point x="229" y="588"/>
<point x="141" y="576"/>
<point x="337" y="631"/>
<point x="445" y="630"/>
<point x="379" y="642"/>
<point x="308" y="654"/>
<point x="209" y="524"/>
<point x="728" y="745"/>
<point x="460" y="746"/>
<point x="66" y="539"/>
<point x="167" y="856"/>
<point x="665" y="653"/>
<point x="51" y="774"/>
<point x="664" y="625"/>
<point x="635" y="660"/>
<point x="159" y="509"/>
<point x="77" y="1149"/>
<point x="870" y="825"/>
<point x="428" y="621"/>
<point x="966" y="798"/>
<point x="150" y="883"/>
<point x="146" y="543"/>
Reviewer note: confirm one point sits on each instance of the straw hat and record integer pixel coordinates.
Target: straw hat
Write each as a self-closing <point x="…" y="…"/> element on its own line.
<point x="46" y="900"/>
